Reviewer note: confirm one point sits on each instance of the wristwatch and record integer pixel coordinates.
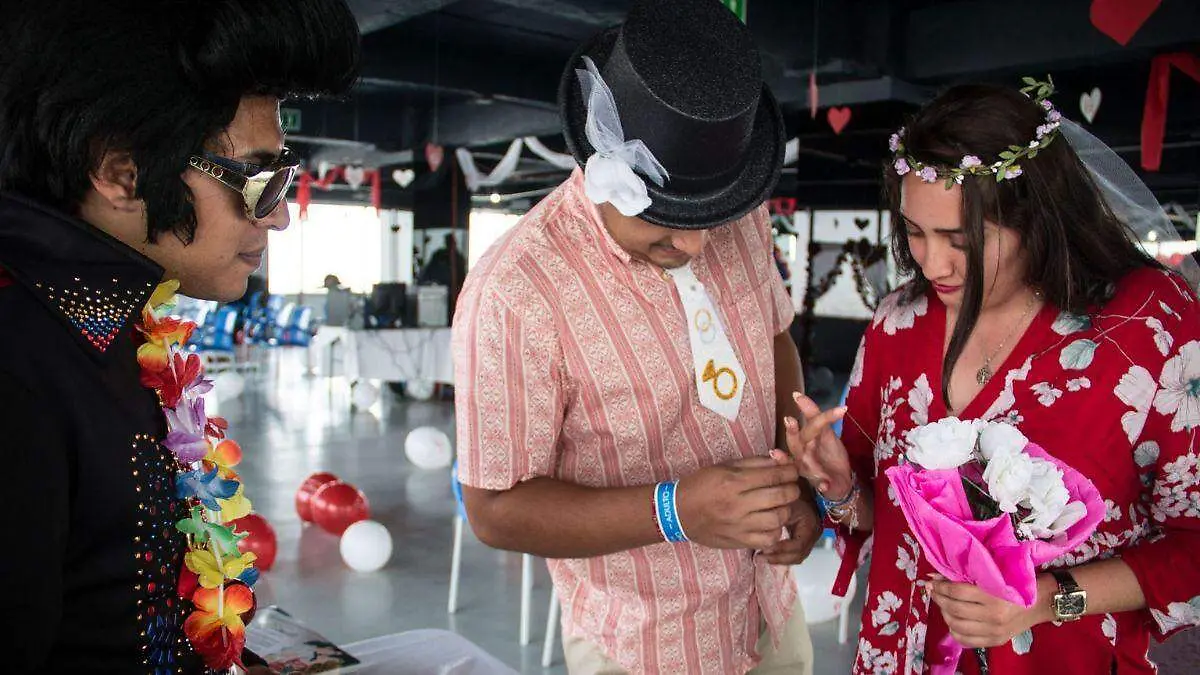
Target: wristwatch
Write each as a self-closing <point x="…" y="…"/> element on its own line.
<point x="1070" y="602"/>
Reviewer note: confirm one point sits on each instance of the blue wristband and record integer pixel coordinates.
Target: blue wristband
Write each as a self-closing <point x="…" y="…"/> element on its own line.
<point x="665" y="511"/>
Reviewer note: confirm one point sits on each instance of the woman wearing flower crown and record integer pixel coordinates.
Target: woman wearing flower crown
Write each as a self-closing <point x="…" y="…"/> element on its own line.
<point x="1029" y="304"/>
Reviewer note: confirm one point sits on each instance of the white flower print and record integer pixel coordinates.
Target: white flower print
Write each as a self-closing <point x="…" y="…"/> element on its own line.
<point x="1167" y="310"/>
<point x="1178" y="615"/>
<point x="919" y="398"/>
<point x="1112" y="511"/>
<point x="1146" y="454"/>
<point x="1078" y="355"/>
<point x="1135" y="389"/>
<point x="1078" y="384"/>
<point x="856" y="373"/>
<point x="1007" y="399"/>
<point x="891" y="495"/>
<point x="1047" y="393"/>
<point x="1162" y="339"/>
<point x="1175" y="492"/>
<point x="896" y="314"/>
<point x="867" y="654"/>
<point x="887" y="602"/>
<point x="1068" y="323"/>
<point x="915" y="647"/>
<point x="885" y="664"/>
<point x="906" y="561"/>
<point x="1180" y="393"/>
<point x="1109" y="627"/>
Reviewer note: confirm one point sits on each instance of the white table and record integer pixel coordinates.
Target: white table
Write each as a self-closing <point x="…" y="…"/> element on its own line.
<point x="392" y="355"/>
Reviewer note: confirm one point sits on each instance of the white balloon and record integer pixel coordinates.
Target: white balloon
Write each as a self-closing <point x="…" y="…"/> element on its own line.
<point x="364" y="394"/>
<point x="429" y="448"/>
<point x="228" y="385"/>
<point x="814" y="578"/>
<point x="366" y="546"/>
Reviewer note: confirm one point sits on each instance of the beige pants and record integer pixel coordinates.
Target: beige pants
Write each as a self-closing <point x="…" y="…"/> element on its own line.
<point x="794" y="656"/>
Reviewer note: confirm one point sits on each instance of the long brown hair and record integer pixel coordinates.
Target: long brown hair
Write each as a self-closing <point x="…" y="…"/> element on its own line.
<point x="1075" y="249"/>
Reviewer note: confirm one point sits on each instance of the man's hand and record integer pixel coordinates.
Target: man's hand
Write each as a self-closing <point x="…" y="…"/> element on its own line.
<point x="744" y="503"/>
<point x="804" y="528"/>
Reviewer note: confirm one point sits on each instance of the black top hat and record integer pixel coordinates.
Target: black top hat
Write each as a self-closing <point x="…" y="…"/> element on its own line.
<point x="687" y="81"/>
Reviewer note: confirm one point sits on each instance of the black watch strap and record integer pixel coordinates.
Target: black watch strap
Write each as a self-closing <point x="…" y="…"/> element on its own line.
<point x="1066" y="582"/>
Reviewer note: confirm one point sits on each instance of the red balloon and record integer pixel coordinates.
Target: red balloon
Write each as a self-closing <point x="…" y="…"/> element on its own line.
<point x="259" y="540"/>
<point x="336" y="506"/>
<point x="307" y="489"/>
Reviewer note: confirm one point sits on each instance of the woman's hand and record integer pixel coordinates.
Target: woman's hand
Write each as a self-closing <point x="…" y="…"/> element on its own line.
<point x="977" y="619"/>
<point x="817" y="451"/>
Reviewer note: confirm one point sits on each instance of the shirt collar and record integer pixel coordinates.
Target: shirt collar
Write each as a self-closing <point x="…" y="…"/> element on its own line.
<point x="91" y="281"/>
<point x="595" y="220"/>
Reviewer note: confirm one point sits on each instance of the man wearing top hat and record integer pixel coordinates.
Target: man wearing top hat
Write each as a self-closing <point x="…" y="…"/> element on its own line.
<point x="623" y="363"/>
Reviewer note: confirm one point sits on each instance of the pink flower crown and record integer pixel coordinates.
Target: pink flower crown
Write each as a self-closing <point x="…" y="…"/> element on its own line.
<point x="1007" y="167"/>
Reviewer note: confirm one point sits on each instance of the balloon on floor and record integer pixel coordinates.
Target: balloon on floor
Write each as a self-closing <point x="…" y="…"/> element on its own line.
<point x="337" y="505"/>
<point x="259" y="540"/>
<point x="366" y="546"/>
<point x="305" y="492"/>
<point x="428" y="448"/>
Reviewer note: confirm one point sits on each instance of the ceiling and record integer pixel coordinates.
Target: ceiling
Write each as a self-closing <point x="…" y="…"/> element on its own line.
<point x="478" y="73"/>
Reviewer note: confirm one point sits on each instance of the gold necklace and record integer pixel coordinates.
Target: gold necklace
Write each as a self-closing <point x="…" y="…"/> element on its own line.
<point x="984" y="374"/>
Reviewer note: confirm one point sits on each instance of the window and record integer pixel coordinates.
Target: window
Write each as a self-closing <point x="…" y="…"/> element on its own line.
<point x="485" y="228"/>
<point x="336" y="239"/>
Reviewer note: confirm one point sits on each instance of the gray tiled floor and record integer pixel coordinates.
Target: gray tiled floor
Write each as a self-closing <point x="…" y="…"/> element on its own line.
<point x="290" y="426"/>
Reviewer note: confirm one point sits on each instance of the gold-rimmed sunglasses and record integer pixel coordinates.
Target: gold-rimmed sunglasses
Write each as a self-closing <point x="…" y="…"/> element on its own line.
<point x="261" y="187"/>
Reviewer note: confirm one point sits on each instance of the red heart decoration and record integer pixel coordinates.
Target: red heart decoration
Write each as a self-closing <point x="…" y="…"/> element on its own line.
<point x="1120" y="19"/>
<point x="838" y="118"/>
<point x="434" y="155"/>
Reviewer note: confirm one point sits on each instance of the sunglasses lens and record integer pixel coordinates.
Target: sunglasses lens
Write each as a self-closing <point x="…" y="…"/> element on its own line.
<point x="274" y="192"/>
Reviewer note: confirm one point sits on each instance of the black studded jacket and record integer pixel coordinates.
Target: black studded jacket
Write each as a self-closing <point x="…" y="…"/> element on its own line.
<point x="90" y="554"/>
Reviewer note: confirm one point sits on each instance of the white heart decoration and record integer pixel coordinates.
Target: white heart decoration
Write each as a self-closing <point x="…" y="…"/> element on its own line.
<point x="322" y="169"/>
<point x="404" y="177"/>
<point x="1089" y="104"/>
<point x="354" y="176"/>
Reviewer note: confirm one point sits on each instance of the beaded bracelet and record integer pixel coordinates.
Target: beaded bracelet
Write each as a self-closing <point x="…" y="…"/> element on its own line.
<point x="834" y="504"/>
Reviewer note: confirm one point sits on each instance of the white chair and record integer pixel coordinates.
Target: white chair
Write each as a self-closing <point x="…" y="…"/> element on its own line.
<point x="526" y="626"/>
<point x="813" y="578"/>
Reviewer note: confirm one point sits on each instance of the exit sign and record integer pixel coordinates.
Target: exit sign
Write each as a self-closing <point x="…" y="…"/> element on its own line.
<point x="737" y="7"/>
<point x="289" y="118"/>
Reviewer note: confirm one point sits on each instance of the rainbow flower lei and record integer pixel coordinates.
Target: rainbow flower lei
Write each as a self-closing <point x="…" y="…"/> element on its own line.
<point x="217" y="577"/>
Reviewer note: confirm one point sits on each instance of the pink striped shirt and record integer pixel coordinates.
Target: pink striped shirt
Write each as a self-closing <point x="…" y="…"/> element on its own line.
<point x="573" y="361"/>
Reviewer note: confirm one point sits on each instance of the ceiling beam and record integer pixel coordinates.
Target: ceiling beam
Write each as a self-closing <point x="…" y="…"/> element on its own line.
<point x="957" y="39"/>
<point x="376" y="15"/>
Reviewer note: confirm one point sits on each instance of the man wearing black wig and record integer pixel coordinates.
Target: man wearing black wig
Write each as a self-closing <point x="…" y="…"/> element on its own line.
<point x="139" y="141"/>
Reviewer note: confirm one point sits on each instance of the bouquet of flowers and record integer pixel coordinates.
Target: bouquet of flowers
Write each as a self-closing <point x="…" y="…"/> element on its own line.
<point x="988" y="507"/>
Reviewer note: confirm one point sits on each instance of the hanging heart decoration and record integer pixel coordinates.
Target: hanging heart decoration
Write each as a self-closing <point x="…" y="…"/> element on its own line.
<point x="1089" y="104"/>
<point x="1121" y="19"/>
<point x="404" y="177"/>
<point x="434" y="154"/>
<point x="354" y="175"/>
<point x="838" y="118"/>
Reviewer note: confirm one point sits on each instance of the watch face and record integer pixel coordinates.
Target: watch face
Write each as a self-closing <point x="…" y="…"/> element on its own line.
<point x="1071" y="605"/>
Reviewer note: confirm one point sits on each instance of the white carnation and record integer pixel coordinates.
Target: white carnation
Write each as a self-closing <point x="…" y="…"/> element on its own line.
<point x="946" y="444"/>
<point x="998" y="435"/>
<point x="1009" y="474"/>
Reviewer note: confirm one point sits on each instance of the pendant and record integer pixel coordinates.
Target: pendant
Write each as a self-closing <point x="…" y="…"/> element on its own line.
<point x="983" y="375"/>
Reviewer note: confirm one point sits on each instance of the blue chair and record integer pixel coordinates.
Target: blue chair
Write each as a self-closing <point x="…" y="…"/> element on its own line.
<point x="299" y="329"/>
<point x="220" y="336"/>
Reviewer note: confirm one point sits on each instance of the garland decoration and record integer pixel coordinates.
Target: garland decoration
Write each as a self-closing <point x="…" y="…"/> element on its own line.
<point x="217" y="577"/>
